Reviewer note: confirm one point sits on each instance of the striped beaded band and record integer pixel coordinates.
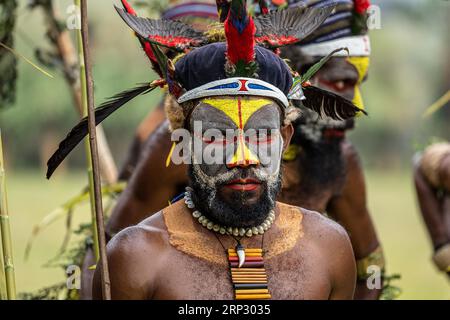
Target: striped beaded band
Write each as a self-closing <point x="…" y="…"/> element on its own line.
<point x="250" y="281"/>
<point x="191" y="9"/>
<point x="204" y="221"/>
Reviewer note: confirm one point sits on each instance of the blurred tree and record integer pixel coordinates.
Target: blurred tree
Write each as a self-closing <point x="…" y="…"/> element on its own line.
<point x="8" y="62"/>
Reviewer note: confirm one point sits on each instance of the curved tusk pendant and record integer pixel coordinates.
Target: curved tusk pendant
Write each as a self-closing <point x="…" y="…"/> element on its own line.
<point x="241" y="254"/>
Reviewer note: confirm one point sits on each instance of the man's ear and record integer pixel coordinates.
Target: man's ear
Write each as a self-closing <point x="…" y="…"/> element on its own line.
<point x="287" y="132"/>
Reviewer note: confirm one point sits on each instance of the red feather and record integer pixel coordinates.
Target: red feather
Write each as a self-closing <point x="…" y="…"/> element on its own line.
<point x="173" y="41"/>
<point x="128" y="7"/>
<point x="361" y="6"/>
<point x="277" y="40"/>
<point x="145" y="45"/>
<point x="240" y="46"/>
<point x="148" y="50"/>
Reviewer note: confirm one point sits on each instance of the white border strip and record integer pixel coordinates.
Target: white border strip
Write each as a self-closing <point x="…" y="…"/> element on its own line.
<point x="359" y="46"/>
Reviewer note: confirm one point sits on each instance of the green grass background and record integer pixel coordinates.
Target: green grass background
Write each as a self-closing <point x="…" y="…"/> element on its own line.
<point x="391" y="200"/>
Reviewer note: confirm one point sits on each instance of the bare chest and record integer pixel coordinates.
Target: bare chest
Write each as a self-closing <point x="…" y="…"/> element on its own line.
<point x="290" y="277"/>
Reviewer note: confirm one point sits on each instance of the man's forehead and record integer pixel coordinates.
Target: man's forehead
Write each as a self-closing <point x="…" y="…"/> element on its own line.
<point x="238" y="109"/>
<point x="359" y="65"/>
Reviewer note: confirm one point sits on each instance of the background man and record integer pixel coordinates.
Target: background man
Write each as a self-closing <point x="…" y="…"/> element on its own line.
<point x="432" y="181"/>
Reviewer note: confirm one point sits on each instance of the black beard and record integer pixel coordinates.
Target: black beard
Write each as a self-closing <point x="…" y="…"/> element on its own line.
<point x="233" y="213"/>
<point x="322" y="165"/>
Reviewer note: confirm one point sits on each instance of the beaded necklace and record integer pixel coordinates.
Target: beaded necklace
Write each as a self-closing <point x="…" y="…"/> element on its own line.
<point x="248" y="275"/>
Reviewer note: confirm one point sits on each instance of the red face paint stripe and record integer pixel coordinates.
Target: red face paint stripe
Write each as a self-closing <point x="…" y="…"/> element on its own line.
<point x="240" y="113"/>
<point x="241" y="127"/>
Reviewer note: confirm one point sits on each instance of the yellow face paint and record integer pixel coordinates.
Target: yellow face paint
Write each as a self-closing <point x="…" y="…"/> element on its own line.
<point x="238" y="109"/>
<point x="243" y="155"/>
<point x="362" y="66"/>
<point x="291" y="152"/>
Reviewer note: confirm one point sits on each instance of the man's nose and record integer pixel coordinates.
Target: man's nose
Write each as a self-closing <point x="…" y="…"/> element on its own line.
<point x="243" y="157"/>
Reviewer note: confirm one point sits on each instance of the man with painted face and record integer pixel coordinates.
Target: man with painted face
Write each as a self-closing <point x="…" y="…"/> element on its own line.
<point x="230" y="238"/>
<point x="193" y="246"/>
<point x="322" y="169"/>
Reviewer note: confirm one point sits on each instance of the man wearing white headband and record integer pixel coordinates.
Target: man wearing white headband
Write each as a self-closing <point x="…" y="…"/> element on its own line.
<point x="322" y="167"/>
<point x="230" y="238"/>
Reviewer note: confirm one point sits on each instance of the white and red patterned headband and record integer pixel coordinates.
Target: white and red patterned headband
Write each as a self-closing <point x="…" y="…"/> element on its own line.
<point x="236" y="86"/>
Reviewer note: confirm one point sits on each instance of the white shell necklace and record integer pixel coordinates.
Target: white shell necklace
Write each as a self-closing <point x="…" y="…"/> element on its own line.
<point x="235" y="231"/>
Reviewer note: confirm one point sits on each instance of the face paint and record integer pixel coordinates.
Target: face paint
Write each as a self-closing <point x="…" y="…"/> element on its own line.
<point x="238" y="109"/>
<point x="245" y="181"/>
<point x="251" y="125"/>
<point x="362" y="66"/>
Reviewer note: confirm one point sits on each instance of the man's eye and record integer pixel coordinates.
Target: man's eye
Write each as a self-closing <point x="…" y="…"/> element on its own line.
<point x="340" y="85"/>
<point x="208" y="140"/>
<point x="260" y="138"/>
<point x="212" y="139"/>
<point x="219" y="140"/>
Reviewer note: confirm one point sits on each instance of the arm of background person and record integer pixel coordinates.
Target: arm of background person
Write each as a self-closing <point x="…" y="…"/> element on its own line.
<point x="350" y="210"/>
<point x="145" y="129"/>
<point x="431" y="210"/>
<point x="152" y="184"/>
<point x="343" y="272"/>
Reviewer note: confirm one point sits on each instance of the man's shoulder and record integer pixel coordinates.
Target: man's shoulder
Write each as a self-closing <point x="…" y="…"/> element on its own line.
<point x="136" y="256"/>
<point x="328" y="240"/>
<point x="322" y="227"/>
<point x="319" y="229"/>
<point x="148" y="234"/>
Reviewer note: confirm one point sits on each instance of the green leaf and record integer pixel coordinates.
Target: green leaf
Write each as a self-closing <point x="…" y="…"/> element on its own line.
<point x="313" y="70"/>
<point x="66" y="210"/>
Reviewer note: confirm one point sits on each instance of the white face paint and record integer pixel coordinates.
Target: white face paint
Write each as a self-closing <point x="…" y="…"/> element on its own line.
<point x="243" y="134"/>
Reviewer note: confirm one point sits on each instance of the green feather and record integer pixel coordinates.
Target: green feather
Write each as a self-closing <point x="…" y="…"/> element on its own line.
<point x="242" y="69"/>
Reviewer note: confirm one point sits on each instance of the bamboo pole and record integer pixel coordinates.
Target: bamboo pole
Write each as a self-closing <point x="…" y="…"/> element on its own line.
<point x="3" y="291"/>
<point x="106" y="290"/>
<point x="6" y="232"/>
<point x="60" y="38"/>
<point x="84" y="106"/>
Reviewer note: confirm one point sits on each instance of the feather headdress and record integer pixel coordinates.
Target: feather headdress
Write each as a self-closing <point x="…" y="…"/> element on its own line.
<point x="245" y="65"/>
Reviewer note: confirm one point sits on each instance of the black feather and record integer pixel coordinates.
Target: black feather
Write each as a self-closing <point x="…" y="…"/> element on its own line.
<point x="223" y="7"/>
<point x="81" y="129"/>
<point x="329" y="104"/>
<point x="289" y="26"/>
<point x="167" y="33"/>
